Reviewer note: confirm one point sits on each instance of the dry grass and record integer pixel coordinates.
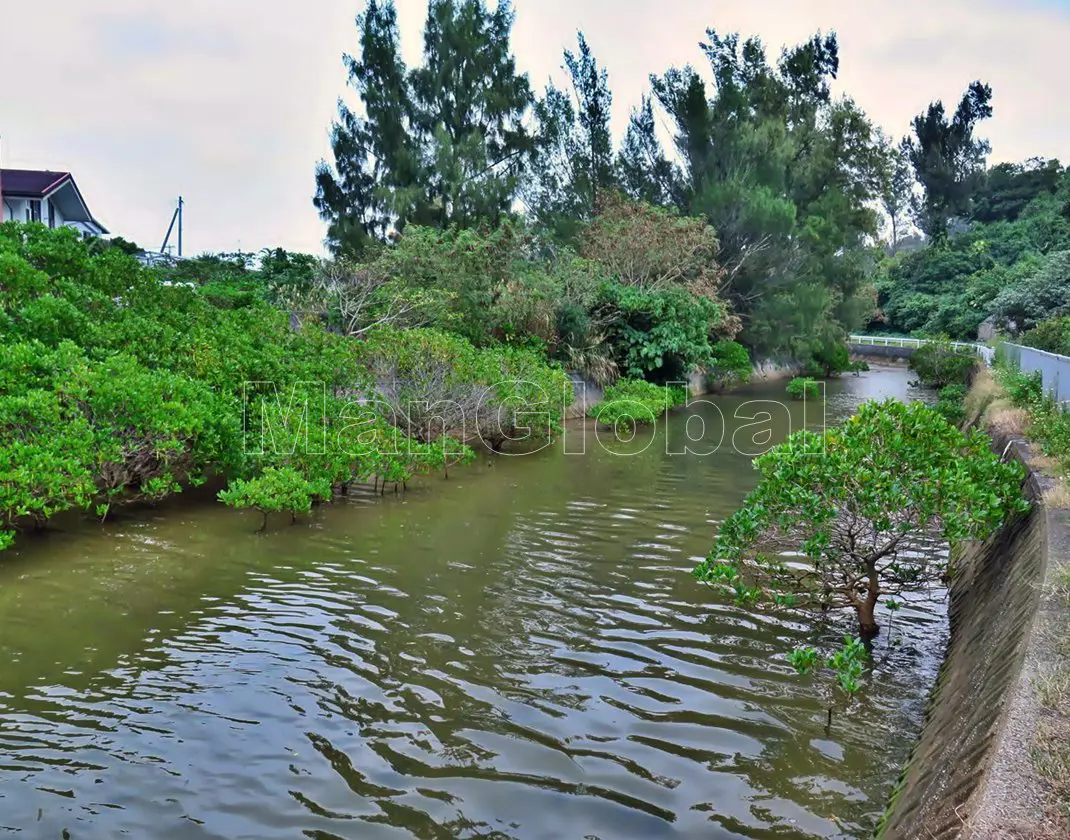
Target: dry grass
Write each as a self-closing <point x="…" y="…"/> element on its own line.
<point x="1051" y="743"/>
<point x="1057" y="496"/>
<point x="1043" y="462"/>
<point x="1051" y="752"/>
<point x="1005" y="419"/>
<point x="1052" y="829"/>
<point x="1061" y="585"/>
<point x="983" y="391"/>
<point x="1053" y="689"/>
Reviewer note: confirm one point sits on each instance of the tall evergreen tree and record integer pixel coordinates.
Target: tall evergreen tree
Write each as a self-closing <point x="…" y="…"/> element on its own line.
<point x="786" y="176"/>
<point x="573" y="165"/>
<point x="590" y="86"/>
<point x="470" y="106"/>
<point x="644" y="172"/>
<point x="948" y="159"/>
<point x="442" y="144"/>
<point x="896" y="190"/>
<point x="375" y="155"/>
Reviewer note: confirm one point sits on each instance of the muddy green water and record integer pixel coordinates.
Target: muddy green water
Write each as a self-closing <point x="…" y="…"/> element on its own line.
<point x="518" y="651"/>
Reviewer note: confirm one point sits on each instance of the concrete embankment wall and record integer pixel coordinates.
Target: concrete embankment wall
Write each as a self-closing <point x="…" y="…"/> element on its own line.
<point x="588" y="393"/>
<point x="872" y="352"/>
<point x="970" y="775"/>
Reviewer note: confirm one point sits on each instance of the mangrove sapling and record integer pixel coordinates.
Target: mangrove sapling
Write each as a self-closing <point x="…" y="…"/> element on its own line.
<point x="847" y="665"/>
<point x="631" y="402"/>
<point x="861" y="512"/>
<point x="939" y="363"/>
<point x="802" y="387"/>
<point x="276" y="489"/>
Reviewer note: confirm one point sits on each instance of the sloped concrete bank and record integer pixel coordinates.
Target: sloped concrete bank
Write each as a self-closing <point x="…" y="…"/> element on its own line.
<point x="971" y="776"/>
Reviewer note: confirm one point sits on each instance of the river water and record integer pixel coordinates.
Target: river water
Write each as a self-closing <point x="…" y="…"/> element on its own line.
<point x="518" y="651"/>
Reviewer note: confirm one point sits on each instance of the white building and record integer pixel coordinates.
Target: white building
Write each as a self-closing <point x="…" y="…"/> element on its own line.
<point x="30" y="195"/>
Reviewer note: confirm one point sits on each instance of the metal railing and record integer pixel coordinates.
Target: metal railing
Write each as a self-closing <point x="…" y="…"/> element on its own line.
<point x="1054" y="369"/>
<point x="985" y="352"/>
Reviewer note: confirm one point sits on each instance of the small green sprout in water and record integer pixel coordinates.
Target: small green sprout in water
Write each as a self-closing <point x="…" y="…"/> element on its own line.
<point x="804" y="659"/>
<point x="849" y="663"/>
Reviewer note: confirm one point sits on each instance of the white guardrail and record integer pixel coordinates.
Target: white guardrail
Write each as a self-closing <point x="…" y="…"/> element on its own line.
<point x="986" y="353"/>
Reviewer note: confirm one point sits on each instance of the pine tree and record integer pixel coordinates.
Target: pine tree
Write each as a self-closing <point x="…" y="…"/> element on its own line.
<point x="644" y="172"/>
<point x="469" y="110"/>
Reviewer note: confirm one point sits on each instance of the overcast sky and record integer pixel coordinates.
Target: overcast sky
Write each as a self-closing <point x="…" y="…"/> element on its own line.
<point x="229" y="102"/>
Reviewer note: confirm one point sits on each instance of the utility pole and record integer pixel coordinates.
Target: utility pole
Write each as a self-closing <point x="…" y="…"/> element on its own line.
<point x="176" y="216"/>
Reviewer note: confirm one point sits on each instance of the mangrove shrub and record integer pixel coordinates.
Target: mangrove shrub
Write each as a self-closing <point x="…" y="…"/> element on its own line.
<point x="843" y="519"/>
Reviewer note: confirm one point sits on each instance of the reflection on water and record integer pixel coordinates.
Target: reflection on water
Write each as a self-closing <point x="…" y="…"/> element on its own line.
<point x="519" y="651"/>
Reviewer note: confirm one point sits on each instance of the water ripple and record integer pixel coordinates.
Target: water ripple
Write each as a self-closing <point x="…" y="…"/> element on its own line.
<point x="519" y="652"/>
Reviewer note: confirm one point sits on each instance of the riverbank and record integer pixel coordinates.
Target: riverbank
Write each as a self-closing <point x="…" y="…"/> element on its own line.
<point x="993" y="760"/>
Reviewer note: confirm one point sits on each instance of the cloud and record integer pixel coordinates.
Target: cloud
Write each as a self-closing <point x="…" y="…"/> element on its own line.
<point x="229" y="103"/>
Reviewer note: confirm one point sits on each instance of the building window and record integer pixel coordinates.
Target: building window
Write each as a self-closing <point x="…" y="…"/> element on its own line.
<point x="35" y="211"/>
<point x="51" y="214"/>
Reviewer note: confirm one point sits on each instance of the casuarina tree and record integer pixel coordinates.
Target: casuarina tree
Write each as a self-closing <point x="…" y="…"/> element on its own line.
<point x="948" y="159"/>
<point x="573" y="166"/>
<point x="441" y="144"/>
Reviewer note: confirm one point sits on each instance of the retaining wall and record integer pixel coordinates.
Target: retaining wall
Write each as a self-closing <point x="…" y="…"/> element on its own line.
<point x="971" y="776"/>
<point x="878" y="352"/>
<point x="1054" y="369"/>
<point x="588" y="393"/>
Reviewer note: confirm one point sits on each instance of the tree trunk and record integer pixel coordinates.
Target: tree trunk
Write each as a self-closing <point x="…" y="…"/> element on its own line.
<point x="867" y="620"/>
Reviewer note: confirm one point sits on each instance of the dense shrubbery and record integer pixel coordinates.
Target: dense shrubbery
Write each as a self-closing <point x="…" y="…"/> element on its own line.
<point x="1052" y="335"/>
<point x="803" y="387"/>
<point x="632" y="402"/>
<point x="939" y="363"/>
<point x="116" y="386"/>
<point x="661" y="335"/>
<point x="1010" y="263"/>
<point x="827" y="359"/>
<point x="644" y="308"/>
<point x="729" y="363"/>
<point x="433" y="384"/>
<point x="951" y="405"/>
<point x="1049" y="422"/>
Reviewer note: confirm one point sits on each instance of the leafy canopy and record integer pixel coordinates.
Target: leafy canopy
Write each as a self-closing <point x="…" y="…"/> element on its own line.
<point x="859" y="513"/>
